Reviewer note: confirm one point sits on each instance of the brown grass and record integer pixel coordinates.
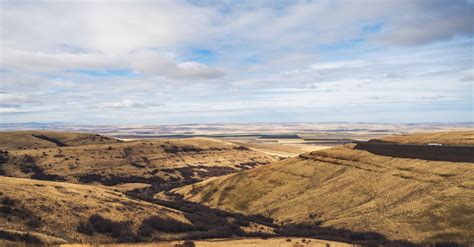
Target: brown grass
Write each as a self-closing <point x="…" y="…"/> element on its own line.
<point x="280" y="149"/>
<point x="445" y="137"/>
<point x="59" y="207"/>
<point x="45" y="139"/>
<point x="136" y="161"/>
<point x="248" y="242"/>
<point x="405" y="199"/>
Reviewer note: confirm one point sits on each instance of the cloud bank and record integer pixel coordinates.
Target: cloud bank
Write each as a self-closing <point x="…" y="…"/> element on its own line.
<point x="243" y="61"/>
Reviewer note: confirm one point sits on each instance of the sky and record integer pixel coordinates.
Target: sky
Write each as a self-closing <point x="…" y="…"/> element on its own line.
<point x="172" y="62"/>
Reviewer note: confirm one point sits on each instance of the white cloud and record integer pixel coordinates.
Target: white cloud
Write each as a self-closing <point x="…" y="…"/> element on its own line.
<point x="102" y="26"/>
<point x="248" y="56"/>
<point x="146" y="62"/>
<point x="152" y="63"/>
<point x="422" y="22"/>
<point x="128" y="103"/>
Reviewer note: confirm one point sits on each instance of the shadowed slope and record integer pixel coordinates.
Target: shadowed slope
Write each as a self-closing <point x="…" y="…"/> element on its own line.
<point x="406" y="199"/>
<point x="53" y="211"/>
<point x="445" y="137"/>
<point x="165" y="163"/>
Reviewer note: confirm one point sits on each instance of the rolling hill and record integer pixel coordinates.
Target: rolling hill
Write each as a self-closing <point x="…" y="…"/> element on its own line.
<point x="406" y="199"/>
<point x="101" y="190"/>
<point x="45" y="212"/>
<point x="52" y="212"/>
<point x="162" y="162"/>
<point x="49" y="139"/>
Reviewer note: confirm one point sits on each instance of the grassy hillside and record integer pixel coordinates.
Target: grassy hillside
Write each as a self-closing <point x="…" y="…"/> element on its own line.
<point x="408" y="199"/>
<point x="52" y="212"/>
<point x="150" y="162"/>
<point x="247" y="242"/>
<point x="446" y="137"/>
<point x="49" y="139"/>
<point x="44" y="212"/>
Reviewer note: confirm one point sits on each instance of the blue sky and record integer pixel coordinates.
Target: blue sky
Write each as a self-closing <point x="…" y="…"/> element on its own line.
<point x="169" y="62"/>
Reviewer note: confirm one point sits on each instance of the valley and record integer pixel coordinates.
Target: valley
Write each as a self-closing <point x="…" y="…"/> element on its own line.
<point x="70" y="188"/>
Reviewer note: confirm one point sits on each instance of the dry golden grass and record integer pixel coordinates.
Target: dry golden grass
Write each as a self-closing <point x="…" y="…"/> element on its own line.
<point x="143" y="159"/>
<point x="247" y="242"/>
<point x="282" y="150"/>
<point x="61" y="206"/>
<point x="405" y="199"/>
<point x="27" y="139"/>
<point x="445" y="137"/>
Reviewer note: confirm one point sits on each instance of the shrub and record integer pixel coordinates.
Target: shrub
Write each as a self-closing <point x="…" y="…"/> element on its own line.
<point x="5" y="209"/>
<point x="8" y="201"/>
<point x="165" y="225"/>
<point x="34" y="222"/>
<point x="121" y="230"/>
<point x="366" y="236"/>
<point x="145" y="230"/>
<point x="242" y="148"/>
<point x="101" y="224"/>
<point x="85" y="227"/>
<point x="180" y="149"/>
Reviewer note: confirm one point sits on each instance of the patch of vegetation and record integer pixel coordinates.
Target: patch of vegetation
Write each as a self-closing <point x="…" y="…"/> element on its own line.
<point x="3" y="159"/>
<point x="19" y="237"/>
<point x="114" y="180"/>
<point x="242" y="148"/>
<point x="120" y="230"/>
<point x="85" y="227"/>
<point x="13" y="210"/>
<point x="163" y="225"/>
<point x="28" y="166"/>
<point x="180" y="149"/>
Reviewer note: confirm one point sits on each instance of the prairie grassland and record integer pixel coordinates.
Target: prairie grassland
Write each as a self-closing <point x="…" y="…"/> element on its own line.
<point x="410" y="199"/>
<point x="248" y="242"/>
<point x="444" y="137"/>
<point x="56" y="209"/>
<point x="134" y="162"/>
<point x="281" y="148"/>
<point x="49" y="139"/>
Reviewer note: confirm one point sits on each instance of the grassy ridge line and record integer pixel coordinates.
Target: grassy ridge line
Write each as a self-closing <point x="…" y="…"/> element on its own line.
<point x="151" y="162"/>
<point x="49" y="139"/>
<point x="57" y="208"/>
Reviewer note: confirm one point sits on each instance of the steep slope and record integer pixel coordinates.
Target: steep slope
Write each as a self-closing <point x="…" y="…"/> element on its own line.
<point x="445" y="137"/>
<point x="44" y="212"/>
<point x="406" y="199"/>
<point x="49" y="139"/>
<point x="160" y="162"/>
<point x="52" y="212"/>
